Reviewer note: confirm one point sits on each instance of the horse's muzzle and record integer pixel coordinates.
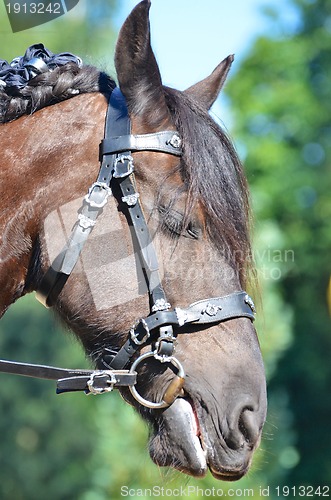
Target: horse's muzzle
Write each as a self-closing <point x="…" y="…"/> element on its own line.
<point x="188" y="439"/>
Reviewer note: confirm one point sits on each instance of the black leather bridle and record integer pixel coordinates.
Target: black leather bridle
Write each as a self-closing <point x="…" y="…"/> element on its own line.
<point x="157" y="329"/>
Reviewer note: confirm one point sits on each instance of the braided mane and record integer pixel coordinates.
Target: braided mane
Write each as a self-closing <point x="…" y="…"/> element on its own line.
<point x="24" y="91"/>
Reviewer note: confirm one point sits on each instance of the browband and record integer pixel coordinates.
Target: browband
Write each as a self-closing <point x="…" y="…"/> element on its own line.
<point x="165" y="142"/>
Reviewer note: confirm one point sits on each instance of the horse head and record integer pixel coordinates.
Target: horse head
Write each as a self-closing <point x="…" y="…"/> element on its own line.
<point x="196" y="206"/>
<point x="204" y="244"/>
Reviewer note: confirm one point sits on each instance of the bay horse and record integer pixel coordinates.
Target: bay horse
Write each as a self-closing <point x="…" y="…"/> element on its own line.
<point x="191" y="197"/>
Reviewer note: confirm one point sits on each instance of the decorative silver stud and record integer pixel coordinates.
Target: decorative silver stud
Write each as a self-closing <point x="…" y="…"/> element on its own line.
<point x="250" y="303"/>
<point x="211" y="309"/>
<point x="85" y="222"/>
<point x="182" y="316"/>
<point x="160" y="305"/>
<point x="175" y="141"/>
<point x="131" y="199"/>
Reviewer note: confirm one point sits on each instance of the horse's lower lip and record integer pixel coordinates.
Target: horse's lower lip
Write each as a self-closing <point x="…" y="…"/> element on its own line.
<point x="223" y="474"/>
<point x="226" y="475"/>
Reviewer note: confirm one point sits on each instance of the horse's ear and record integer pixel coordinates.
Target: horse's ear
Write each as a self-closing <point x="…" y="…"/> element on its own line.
<point x="206" y="91"/>
<point x="137" y="70"/>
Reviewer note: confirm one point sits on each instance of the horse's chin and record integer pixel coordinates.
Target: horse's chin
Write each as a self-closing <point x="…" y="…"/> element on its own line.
<point x="181" y="442"/>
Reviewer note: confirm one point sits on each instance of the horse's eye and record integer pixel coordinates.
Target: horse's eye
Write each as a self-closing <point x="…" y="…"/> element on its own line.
<point x="172" y="222"/>
<point x="193" y="231"/>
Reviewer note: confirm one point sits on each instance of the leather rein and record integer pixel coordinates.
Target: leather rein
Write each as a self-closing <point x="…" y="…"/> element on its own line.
<point x="157" y="329"/>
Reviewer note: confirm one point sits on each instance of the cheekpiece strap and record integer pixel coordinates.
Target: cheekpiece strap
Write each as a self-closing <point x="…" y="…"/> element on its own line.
<point x="116" y="164"/>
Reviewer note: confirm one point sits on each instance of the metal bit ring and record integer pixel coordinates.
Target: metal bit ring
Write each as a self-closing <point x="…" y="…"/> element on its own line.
<point x="162" y="404"/>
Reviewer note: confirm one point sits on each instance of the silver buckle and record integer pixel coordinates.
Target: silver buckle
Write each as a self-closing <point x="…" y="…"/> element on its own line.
<point x="165" y="341"/>
<point x="122" y="159"/>
<point x="102" y="203"/>
<point x="101" y="390"/>
<point x="134" y="336"/>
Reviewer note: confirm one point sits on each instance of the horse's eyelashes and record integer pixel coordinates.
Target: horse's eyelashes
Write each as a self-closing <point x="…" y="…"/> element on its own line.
<point x="172" y="225"/>
<point x="172" y="222"/>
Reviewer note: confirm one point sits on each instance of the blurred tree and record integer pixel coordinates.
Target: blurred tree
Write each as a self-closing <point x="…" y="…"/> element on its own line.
<point x="41" y="435"/>
<point x="87" y="30"/>
<point x="281" y="102"/>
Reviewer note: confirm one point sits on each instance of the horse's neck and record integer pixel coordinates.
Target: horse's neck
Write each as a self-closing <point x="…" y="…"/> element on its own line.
<point x="47" y="159"/>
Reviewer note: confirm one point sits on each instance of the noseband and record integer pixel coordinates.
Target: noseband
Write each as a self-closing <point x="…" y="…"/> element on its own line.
<point x="161" y="327"/>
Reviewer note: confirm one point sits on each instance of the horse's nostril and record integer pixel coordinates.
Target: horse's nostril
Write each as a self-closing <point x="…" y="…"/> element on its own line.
<point x="244" y="428"/>
<point x="249" y="426"/>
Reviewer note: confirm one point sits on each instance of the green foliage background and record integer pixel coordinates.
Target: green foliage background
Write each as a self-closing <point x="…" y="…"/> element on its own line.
<point x="77" y="447"/>
<point x="282" y="107"/>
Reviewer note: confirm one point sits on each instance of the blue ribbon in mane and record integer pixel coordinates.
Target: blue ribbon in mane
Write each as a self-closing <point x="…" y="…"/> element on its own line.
<point x="37" y="59"/>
